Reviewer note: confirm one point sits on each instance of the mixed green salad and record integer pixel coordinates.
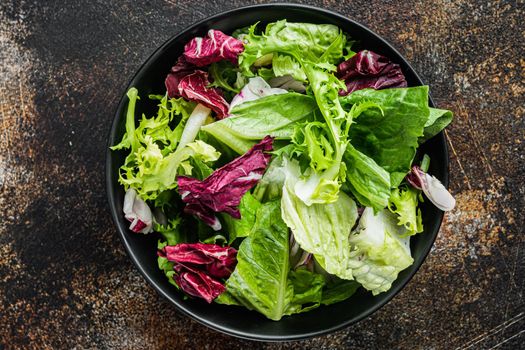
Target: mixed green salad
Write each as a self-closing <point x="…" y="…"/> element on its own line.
<point x="281" y="170"/>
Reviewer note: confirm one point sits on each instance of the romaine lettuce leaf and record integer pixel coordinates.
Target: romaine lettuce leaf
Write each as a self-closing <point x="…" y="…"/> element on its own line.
<point x="262" y="280"/>
<point x="368" y="182"/>
<point x="380" y="249"/>
<point x="437" y="121"/>
<point x="389" y="135"/>
<point x="270" y="187"/>
<point x="320" y="229"/>
<point x="307" y="288"/>
<point x="373" y="255"/>
<point x="243" y="226"/>
<point x="273" y="115"/>
<point x="338" y="290"/>
<point x="302" y="40"/>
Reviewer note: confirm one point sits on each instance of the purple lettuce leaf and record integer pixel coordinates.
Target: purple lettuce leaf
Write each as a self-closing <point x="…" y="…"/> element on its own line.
<point x="197" y="283"/>
<point x="199" y="267"/>
<point x="222" y="191"/>
<point x="215" y="47"/>
<point x="186" y="80"/>
<point x="219" y="262"/>
<point x="367" y="69"/>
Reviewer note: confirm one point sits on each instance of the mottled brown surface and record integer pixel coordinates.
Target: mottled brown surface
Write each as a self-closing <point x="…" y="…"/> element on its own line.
<point x="65" y="280"/>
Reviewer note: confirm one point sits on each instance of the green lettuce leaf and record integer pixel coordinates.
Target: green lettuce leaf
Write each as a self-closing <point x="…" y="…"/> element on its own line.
<point x="153" y="161"/>
<point x="224" y="75"/>
<point x="373" y="255"/>
<point x="338" y="290"/>
<point x="380" y="249"/>
<point x="271" y="184"/>
<point x="287" y="65"/>
<point x="312" y="42"/>
<point x="320" y="229"/>
<point x="172" y="232"/>
<point x="251" y="121"/>
<point x="325" y="143"/>
<point x="389" y="134"/>
<point x="437" y="121"/>
<point x="265" y="73"/>
<point x="157" y="150"/>
<point x="368" y="182"/>
<point x="157" y="173"/>
<point x="165" y="265"/>
<point x="129" y="140"/>
<point x="262" y="280"/>
<point x="403" y="202"/>
<point x="199" y="169"/>
<point x="307" y="287"/>
<point x="243" y="226"/>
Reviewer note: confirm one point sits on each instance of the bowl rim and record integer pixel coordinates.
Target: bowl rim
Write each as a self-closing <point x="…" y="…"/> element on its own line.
<point x="110" y="188"/>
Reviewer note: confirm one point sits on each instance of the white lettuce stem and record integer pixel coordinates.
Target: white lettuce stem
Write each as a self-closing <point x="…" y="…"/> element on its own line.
<point x="193" y="125"/>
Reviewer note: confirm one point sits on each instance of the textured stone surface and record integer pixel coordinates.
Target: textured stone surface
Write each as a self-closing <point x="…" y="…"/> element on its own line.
<point x="65" y="280"/>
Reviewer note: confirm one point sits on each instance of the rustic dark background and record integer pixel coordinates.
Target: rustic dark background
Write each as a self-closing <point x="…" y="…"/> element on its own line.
<point x="65" y="280"/>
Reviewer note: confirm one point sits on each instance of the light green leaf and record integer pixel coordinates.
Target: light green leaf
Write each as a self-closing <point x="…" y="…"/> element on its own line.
<point x="326" y="144"/>
<point x="251" y="121"/>
<point x="287" y="65"/>
<point x="403" y="202"/>
<point x="302" y="40"/>
<point x="171" y="232"/>
<point x="379" y="250"/>
<point x="152" y="164"/>
<point x="320" y="229"/>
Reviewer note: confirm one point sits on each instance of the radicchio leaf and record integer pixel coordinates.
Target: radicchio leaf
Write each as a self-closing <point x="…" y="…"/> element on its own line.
<point x="137" y="212"/>
<point x="215" y="47"/>
<point x="366" y="69"/>
<point x="199" y="266"/>
<point x="218" y="261"/>
<point x="197" y="283"/>
<point x="432" y="188"/>
<point x="222" y="191"/>
<point x="186" y="80"/>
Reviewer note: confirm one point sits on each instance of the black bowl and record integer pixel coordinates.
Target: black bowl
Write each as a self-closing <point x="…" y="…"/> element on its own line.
<point x="238" y="321"/>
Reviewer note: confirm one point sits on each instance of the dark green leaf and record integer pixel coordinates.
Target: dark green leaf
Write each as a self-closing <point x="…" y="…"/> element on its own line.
<point x="389" y="135"/>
